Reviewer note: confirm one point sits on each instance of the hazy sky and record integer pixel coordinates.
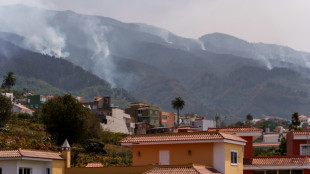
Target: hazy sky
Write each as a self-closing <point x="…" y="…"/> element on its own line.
<point x="284" y="22"/>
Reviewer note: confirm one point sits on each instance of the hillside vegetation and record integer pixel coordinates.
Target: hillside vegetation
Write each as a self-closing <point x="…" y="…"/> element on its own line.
<point x="29" y="133"/>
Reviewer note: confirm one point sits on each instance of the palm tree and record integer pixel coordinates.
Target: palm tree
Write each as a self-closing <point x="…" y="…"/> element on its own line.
<point x="178" y="103"/>
<point x="9" y="80"/>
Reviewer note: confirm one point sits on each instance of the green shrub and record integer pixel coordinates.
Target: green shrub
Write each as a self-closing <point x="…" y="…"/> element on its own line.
<point x="24" y="116"/>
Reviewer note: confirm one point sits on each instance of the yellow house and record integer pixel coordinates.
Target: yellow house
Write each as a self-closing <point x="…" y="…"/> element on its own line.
<point x="220" y="151"/>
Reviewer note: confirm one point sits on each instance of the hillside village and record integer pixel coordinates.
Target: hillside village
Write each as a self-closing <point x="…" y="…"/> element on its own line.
<point x="145" y="139"/>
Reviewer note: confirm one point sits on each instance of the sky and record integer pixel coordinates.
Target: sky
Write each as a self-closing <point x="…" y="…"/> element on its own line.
<point x="283" y="22"/>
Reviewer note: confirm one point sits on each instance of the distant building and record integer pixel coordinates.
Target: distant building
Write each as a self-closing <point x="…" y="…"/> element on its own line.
<point x="303" y="119"/>
<point x="141" y="112"/>
<point x="8" y="95"/>
<point x="111" y="117"/>
<point x="203" y="124"/>
<point x="37" y="101"/>
<point x="17" y="108"/>
<point x="143" y="128"/>
<point x="167" y="119"/>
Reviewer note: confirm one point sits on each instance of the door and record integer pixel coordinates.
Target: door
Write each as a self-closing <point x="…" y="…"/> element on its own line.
<point x="164" y="157"/>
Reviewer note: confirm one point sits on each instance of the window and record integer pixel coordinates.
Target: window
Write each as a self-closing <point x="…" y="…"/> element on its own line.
<point x="48" y="171"/>
<point x="37" y="106"/>
<point x="106" y="100"/>
<point x="156" y="112"/>
<point x="151" y="112"/>
<point x="305" y="149"/>
<point x="0" y="170"/>
<point x="284" y="172"/>
<point x="234" y="157"/>
<point x="109" y="114"/>
<point x="24" y="170"/>
<point x="139" y="111"/>
<point x="296" y="171"/>
<point x="31" y="106"/>
<point x="164" y="117"/>
<point x="28" y="100"/>
<point x="258" y="172"/>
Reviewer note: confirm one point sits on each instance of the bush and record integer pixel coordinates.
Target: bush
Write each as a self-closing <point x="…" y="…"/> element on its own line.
<point x="24" y="116"/>
<point x="94" y="146"/>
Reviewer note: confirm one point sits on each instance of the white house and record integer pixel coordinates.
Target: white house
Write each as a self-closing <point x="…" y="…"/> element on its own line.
<point x="31" y="162"/>
<point x="9" y="95"/>
<point x="204" y="125"/>
<point x="118" y="121"/>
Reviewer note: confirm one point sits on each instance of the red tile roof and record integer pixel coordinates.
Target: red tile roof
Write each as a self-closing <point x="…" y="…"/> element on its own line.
<point x="173" y="137"/>
<point x="94" y="165"/>
<point x="276" y="161"/>
<point x="301" y="132"/>
<point x="30" y="154"/>
<point x="236" y="129"/>
<point x="172" y="170"/>
<point x="182" y="170"/>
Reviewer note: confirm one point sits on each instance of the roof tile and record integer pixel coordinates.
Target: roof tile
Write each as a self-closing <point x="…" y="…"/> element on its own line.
<point x="94" y="165"/>
<point x="236" y="129"/>
<point x="276" y="161"/>
<point x="30" y="154"/>
<point x="188" y="136"/>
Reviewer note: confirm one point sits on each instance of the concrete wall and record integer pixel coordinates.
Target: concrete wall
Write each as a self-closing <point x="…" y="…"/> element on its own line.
<point x="179" y="154"/>
<point x="270" y="138"/>
<point x="219" y="157"/>
<point x="58" y="167"/>
<point x="9" y="167"/>
<point x="38" y="167"/>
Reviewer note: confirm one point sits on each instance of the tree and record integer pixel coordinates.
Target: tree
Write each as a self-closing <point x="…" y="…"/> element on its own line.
<point x="178" y="103"/>
<point x="65" y="118"/>
<point x="5" y="110"/>
<point x="295" y="123"/>
<point x="9" y="80"/>
<point x="249" y="118"/>
<point x="282" y="146"/>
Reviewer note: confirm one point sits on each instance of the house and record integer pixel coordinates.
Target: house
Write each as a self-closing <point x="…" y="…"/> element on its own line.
<point x="203" y="124"/>
<point x="218" y="150"/>
<point x="37" y="101"/>
<point x="296" y="161"/>
<point x="303" y="119"/>
<point x="22" y="161"/>
<point x="112" y="118"/>
<point x="8" y="95"/>
<point x="141" y="112"/>
<point x="17" y="108"/>
<point x="143" y="128"/>
<point x="247" y="133"/>
<point x="298" y="143"/>
<point x="277" y="165"/>
<point x="167" y="119"/>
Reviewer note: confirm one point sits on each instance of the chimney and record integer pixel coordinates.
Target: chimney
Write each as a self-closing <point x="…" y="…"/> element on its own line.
<point x="66" y="153"/>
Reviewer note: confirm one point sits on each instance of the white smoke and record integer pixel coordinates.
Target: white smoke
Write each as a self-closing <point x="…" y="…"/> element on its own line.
<point x="103" y="62"/>
<point x="31" y="23"/>
<point x="202" y="45"/>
